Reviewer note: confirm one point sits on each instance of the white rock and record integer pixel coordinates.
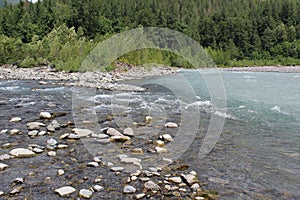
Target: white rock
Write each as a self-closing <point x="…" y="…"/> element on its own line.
<point x="195" y="187"/>
<point x="41" y="133"/>
<point x="55" y="124"/>
<point x="16" y="119"/>
<point x="50" y="128"/>
<point x="100" y="136"/>
<point x="64" y="136"/>
<point x="182" y="190"/>
<point x="51" y="142"/>
<point x="60" y="172"/>
<point x="133" y="178"/>
<point x="148" y="119"/>
<point x="65" y="191"/>
<point x="45" y="115"/>
<point x="167" y="137"/>
<point x="129" y="132"/>
<point x="122" y="156"/>
<point x="137" y="151"/>
<point x="171" y="125"/>
<point x="4" y="131"/>
<point x="15" y="131"/>
<point x="37" y="150"/>
<point x="161" y="150"/>
<point x="119" y="138"/>
<point x="73" y="136"/>
<point x="22" y="153"/>
<point x="3" y="166"/>
<point x="98" y="188"/>
<point x="150" y="185"/>
<point x="51" y="153"/>
<point x="113" y="132"/>
<point x="85" y="193"/>
<point x="19" y="180"/>
<point x="128" y="189"/>
<point x="131" y="160"/>
<point x="160" y="143"/>
<point x="33" y="133"/>
<point x="199" y="198"/>
<point x="1" y="193"/>
<point x="97" y="159"/>
<point x="62" y="146"/>
<point x="35" y="125"/>
<point x="189" y="178"/>
<point x="117" y="169"/>
<point x="176" y="179"/>
<point x="5" y="157"/>
<point x="140" y="196"/>
<point x="82" y="132"/>
<point x="93" y="164"/>
<point x="193" y="173"/>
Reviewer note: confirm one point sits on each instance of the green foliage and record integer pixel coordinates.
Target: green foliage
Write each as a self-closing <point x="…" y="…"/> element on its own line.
<point x="62" y="32"/>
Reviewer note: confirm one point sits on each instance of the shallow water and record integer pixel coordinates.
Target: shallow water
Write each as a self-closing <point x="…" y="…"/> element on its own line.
<point x="257" y="155"/>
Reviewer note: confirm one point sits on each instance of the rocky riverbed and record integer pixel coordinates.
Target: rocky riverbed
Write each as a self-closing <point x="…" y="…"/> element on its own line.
<point x="44" y="154"/>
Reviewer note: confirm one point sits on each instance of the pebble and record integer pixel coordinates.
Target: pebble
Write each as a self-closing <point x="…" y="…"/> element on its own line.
<point x="117" y="169"/>
<point x="16" y="190"/>
<point x="85" y="193"/>
<point x="35" y="125"/>
<point x="128" y="189"/>
<point x="131" y="160"/>
<point x="160" y="143"/>
<point x="113" y="132"/>
<point x="98" y="188"/>
<point x="3" y="166"/>
<point x="51" y="153"/>
<point x="45" y="115"/>
<point x="65" y="191"/>
<point x="129" y="132"/>
<point x="140" y="196"/>
<point x="15" y="131"/>
<point x="64" y="136"/>
<point x="73" y="136"/>
<point x="15" y="119"/>
<point x="82" y="132"/>
<point x="122" y="156"/>
<point x="137" y="151"/>
<point x="99" y="136"/>
<point x="22" y="153"/>
<point x="97" y="159"/>
<point x="5" y="157"/>
<point x="41" y="133"/>
<point x="167" y="137"/>
<point x="176" y="179"/>
<point x="195" y="187"/>
<point x="171" y="125"/>
<point x="37" y="150"/>
<point x="150" y="185"/>
<point x="19" y="180"/>
<point x="189" y="178"/>
<point x="1" y="193"/>
<point x="199" y="198"/>
<point x="161" y="150"/>
<point x="93" y="164"/>
<point x="62" y="146"/>
<point x="33" y="133"/>
<point x="60" y="172"/>
<point x="148" y="119"/>
<point x="50" y="128"/>
<point x="4" y="131"/>
<point x="118" y="138"/>
<point x="52" y="142"/>
<point x="133" y="178"/>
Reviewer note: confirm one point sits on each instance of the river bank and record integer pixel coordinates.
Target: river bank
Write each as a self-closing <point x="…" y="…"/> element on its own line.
<point x="97" y="79"/>
<point x="281" y="69"/>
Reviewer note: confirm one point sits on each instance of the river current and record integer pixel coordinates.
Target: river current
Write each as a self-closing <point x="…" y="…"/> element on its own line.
<point x="256" y="155"/>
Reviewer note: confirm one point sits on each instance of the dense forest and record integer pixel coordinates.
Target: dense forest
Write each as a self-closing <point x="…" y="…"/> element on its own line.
<point x="234" y="32"/>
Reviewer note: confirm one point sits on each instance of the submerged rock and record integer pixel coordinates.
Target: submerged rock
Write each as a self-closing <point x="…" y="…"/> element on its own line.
<point x="82" y="132"/>
<point x="113" y="132"/>
<point x="118" y="138"/>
